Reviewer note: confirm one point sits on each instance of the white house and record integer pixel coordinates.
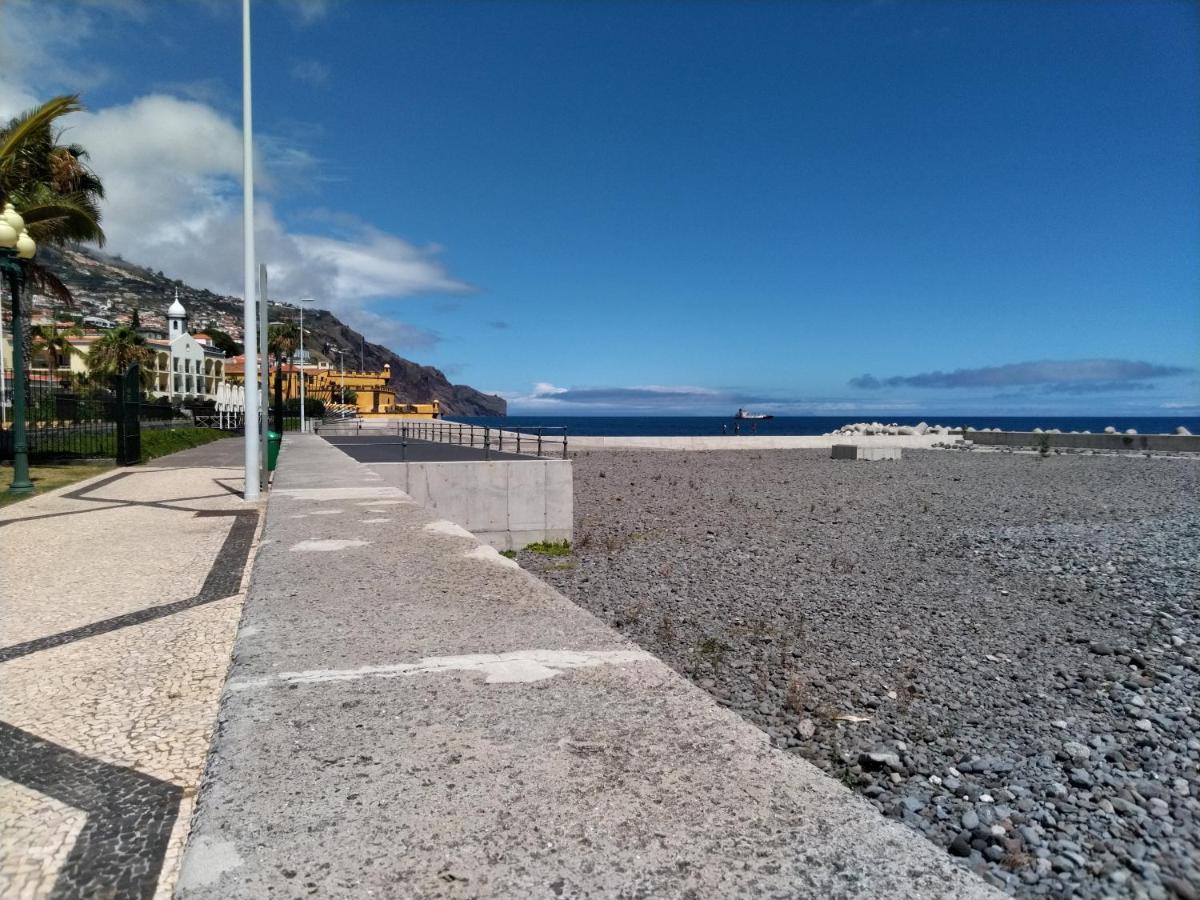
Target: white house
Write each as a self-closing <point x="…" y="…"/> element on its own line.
<point x="191" y="368"/>
<point x="182" y="366"/>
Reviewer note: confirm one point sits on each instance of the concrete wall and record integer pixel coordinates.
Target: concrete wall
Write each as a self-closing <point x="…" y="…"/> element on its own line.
<point x="1168" y="442"/>
<point x="507" y="504"/>
<point x="853" y="451"/>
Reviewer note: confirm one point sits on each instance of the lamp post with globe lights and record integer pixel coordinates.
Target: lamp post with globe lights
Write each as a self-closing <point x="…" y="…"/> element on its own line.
<point x="16" y="249"/>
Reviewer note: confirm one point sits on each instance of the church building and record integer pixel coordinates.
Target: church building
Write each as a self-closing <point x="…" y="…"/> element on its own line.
<point x="192" y="367"/>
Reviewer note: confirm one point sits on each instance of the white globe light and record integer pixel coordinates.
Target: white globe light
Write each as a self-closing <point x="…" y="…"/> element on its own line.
<point x="8" y="235"/>
<point x="12" y="217"/>
<point x="26" y="246"/>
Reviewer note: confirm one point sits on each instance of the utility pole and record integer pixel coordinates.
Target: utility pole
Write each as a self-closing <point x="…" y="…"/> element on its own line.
<point x="302" y="422"/>
<point x="264" y="353"/>
<point x="249" y="330"/>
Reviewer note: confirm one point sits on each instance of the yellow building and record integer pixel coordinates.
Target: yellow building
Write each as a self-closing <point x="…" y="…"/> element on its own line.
<point x="366" y="393"/>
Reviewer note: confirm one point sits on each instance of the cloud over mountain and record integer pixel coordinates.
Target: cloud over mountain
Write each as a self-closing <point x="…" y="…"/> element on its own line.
<point x="172" y="172"/>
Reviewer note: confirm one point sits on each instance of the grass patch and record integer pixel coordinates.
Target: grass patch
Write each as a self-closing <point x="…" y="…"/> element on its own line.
<point x="550" y="548"/>
<point x="158" y="442"/>
<point x="509" y="554"/>
<point x="48" y="478"/>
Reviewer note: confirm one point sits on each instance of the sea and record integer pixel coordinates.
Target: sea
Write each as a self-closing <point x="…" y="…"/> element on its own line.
<point x="695" y="426"/>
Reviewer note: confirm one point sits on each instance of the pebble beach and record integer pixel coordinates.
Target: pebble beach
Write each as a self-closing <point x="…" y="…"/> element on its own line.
<point x="1000" y="650"/>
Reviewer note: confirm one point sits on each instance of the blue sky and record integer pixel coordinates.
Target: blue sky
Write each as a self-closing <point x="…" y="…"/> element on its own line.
<point x="679" y="207"/>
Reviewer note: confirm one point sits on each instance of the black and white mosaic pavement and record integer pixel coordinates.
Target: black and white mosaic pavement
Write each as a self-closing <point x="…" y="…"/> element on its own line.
<point x="124" y="818"/>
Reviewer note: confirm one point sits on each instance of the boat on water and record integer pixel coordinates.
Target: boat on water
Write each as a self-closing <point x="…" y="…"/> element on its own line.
<point x="744" y="414"/>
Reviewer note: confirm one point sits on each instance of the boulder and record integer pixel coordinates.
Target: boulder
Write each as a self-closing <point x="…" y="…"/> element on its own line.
<point x="1182" y="432"/>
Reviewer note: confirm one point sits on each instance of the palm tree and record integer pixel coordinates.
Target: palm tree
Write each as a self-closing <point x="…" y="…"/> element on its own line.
<point x="50" y="184"/>
<point x="283" y="339"/>
<point x="117" y="350"/>
<point x="55" y="191"/>
<point x="56" y="342"/>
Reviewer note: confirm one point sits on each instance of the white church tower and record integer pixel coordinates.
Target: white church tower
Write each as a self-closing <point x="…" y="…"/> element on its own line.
<point x="176" y="319"/>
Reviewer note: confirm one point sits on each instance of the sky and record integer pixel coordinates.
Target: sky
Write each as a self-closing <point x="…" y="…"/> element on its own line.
<point x="676" y="207"/>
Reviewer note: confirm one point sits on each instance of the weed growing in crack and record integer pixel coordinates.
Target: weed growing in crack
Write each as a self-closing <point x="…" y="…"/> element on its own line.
<point x="550" y="548"/>
<point x="712" y="651"/>
<point x="793" y="698"/>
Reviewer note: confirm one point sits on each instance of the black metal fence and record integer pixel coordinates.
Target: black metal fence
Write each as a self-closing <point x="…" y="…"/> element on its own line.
<point x="542" y="441"/>
<point x="62" y="422"/>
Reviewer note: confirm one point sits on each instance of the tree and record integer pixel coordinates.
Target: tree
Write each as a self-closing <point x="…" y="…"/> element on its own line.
<point x="135" y="318"/>
<point x="56" y="343"/>
<point x="117" y="350"/>
<point x="283" y="339"/>
<point x="55" y="191"/>
<point x="222" y="340"/>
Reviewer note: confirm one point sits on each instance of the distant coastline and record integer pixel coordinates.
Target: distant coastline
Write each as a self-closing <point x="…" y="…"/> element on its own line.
<point x="701" y="426"/>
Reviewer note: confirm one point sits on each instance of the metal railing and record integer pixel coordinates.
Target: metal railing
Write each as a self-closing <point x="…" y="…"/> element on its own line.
<point x="540" y="442"/>
<point x="81" y="423"/>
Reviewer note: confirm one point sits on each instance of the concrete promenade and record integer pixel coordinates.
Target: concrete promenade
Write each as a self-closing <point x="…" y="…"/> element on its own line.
<point x="411" y="715"/>
<point x="119" y="598"/>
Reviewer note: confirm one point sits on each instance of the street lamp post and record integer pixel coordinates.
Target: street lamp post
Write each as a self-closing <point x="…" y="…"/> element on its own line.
<point x="252" y="451"/>
<point x="301" y="303"/>
<point x="342" y="368"/>
<point x="16" y="249"/>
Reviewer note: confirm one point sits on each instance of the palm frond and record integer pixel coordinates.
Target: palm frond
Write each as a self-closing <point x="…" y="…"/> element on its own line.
<point x="54" y="218"/>
<point x="48" y="284"/>
<point x="32" y="125"/>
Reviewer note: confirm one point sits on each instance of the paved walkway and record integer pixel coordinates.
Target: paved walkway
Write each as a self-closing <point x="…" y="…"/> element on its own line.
<point x="119" y="598"/>
<point x="411" y="715"/>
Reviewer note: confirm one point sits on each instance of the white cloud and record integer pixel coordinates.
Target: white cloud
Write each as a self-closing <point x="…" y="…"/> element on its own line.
<point x="659" y="399"/>
<point x="309" y="11"/>
<point x="172" y="174"/>
<point x="310" y="71"/>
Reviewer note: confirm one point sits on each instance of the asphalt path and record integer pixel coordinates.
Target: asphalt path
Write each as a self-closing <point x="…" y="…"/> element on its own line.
<point x="388" y="448"/>
<point x="410" y="714"/>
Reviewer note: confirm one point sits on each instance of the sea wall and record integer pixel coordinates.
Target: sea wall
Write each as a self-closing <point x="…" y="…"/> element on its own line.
<point x="506" y="503"/>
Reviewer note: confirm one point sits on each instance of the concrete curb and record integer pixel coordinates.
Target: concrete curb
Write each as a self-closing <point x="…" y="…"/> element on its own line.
<point x="409" y="714"/>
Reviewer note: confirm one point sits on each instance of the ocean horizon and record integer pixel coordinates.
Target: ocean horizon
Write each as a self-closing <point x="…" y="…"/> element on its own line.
<point x="698" y="426"/>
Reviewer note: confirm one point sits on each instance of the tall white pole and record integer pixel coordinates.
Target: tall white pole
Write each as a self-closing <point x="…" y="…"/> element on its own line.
<point x="302" y="427"/>
<point x="264" y="354"/>
<point x="249" y="331"/>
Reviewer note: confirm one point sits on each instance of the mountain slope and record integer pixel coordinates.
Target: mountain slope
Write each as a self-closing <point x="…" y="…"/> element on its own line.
<point x="112" y="288"/>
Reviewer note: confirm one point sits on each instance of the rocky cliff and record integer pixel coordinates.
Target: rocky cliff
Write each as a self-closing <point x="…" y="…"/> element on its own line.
<point x="111" y="288"/>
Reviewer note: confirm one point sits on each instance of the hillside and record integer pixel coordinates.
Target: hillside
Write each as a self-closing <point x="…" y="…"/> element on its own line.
<point x="111" y="288"/>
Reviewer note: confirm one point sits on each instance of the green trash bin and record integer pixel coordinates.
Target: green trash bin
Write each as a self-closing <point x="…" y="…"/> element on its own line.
<point x="274" y="439"/>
